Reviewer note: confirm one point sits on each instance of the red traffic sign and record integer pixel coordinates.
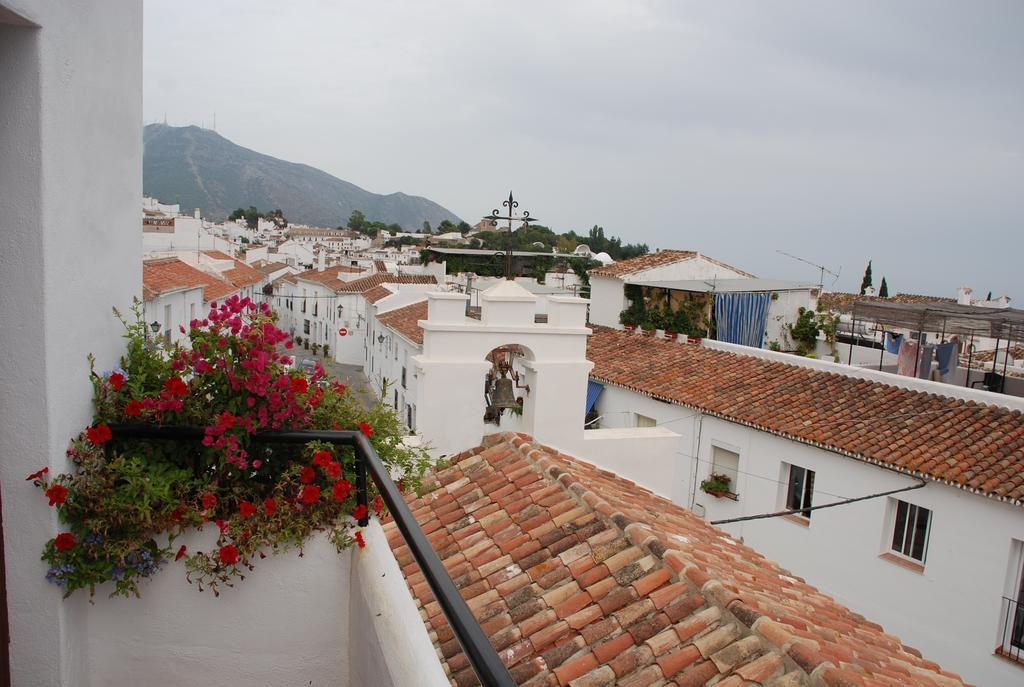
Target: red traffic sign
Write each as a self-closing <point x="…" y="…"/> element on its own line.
<point x="342" y="332"/>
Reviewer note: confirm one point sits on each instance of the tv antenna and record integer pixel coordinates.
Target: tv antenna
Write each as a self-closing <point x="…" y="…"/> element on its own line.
<point x="822" y="269"/>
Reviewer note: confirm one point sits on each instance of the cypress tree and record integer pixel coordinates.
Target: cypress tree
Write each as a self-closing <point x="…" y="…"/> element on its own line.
<point x="883" y="289"/>
<point x="866" y="281"/>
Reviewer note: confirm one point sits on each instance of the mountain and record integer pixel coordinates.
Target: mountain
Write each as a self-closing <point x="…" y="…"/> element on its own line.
<point x="199" y="168"/>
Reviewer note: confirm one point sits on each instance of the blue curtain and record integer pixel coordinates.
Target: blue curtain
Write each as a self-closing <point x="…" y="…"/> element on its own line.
<point x="593" y="391"/>
<point x="741" y="317"/>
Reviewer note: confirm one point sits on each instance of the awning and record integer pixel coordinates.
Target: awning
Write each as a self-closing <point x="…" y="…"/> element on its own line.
<point x="593" y="391"/>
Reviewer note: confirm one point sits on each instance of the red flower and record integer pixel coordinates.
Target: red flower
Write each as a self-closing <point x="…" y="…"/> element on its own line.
<point x="99" y="434"/>
<point x="176" y="386"/>
<point x="307" y="475"/>
<point x="226" y="420"/>
<point x="359" y="540"/>
<point x="246" y="509"/>
<point x="359" y="512"/>
<point x="64" y="541"/>
<point x="228" y="554"/>
<point x="342" y="488"/>
<point x="333" y="470"/>
<point x="57" y="494"/>
<point x="378" y="504"/>
<point x="133" y="408"/>
<point x="208" y="500"/>
<point x="221" y="525"/>
<point x="322" y="458"/>
<point x="300" y="385"/>
<point x="37" y="474"/>
<point x="178" y="513"/>
<point x="269" y="506"/>
<point x="366" y="429"/>
<point x="116" y="380"/>
<point x="181" y="553"/>
<point x="310" y="494"/>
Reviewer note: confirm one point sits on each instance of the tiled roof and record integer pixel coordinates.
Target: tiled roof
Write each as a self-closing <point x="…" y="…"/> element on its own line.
<point x="380" y="266"/>
<point x="367" y="283"/>
<point x="271" y="267"/>
<point x="963" y="443"/>
<point x="242" y="275"/>
<point x="377" y="293"/>
<point x="1016" y="353"/>
<point x="170" y="274"/>
<point x="843" y="302"/>
<point x="580" y="577"/>
<point x="217" y="255"/>
<point x="659" y="259"/>
<point x="405" y="320"/>
<point x="330" y="276"/>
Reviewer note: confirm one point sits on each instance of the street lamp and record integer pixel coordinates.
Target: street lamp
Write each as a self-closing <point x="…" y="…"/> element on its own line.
<point x="154" y="327"/>
<point x="524" y="221"/>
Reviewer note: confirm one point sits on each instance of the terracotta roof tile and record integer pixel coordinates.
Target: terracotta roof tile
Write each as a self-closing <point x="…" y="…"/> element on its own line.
<point x="659" y="259"/>
<point x="377" y="293"/>
<point x="572" y="572"/>
<point x="962" y="443"/>
<point x="170" y="274"/>
<point x="367" y="283"/>
<point x="405" y="320"/>
<point x="843" y="302"/>
<point x="330" y="276"/>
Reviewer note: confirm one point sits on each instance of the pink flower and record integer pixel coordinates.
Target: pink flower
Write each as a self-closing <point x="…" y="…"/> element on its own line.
<point x="366" y="429"/>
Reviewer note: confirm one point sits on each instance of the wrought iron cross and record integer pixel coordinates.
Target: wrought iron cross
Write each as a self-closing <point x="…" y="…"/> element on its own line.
<point x="524" y="220"/>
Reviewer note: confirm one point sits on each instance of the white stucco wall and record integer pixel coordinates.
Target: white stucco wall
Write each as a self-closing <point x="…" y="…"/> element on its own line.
<point x="389" y="641"/>
<point x="182" y="303"/>
<point x="70" y="249"/>
<point x="607" y="300"/>
<point x="287" y="623"/>
<point x="970" y="551"/>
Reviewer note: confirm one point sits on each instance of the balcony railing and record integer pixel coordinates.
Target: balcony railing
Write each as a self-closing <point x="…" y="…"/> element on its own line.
<point x="1012" y="638"/>
<point x="482" y="656"/>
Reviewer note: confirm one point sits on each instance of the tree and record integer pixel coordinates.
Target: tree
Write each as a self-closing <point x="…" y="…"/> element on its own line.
<point x="426" y="227"/>
<point x="989" y="296"/>
<point x="866" y="281"/>
<point x="356" y="220"/>
<point x="464" y="227"/>
<point x="883" y="289"/>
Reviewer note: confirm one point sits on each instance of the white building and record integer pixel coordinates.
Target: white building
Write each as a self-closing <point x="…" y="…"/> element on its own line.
<point x="791" y="432"/>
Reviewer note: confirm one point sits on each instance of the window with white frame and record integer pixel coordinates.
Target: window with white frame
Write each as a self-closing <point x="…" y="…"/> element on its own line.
<point x="644" y="421"/>
<point x="727" y="463"/>
<point x="911" y="528"/>
<point x="800" y="490"/>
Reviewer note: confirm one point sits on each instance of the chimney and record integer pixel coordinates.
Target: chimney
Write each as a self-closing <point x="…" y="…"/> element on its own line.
<point x="321" y="260"/>
<point x="963" y="295"/>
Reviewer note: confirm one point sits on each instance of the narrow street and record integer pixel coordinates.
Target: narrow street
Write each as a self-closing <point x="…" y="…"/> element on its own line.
<point x="350" y="375"/>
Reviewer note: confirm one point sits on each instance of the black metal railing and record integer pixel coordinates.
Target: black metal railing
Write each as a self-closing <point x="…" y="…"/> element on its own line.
<point x="482" y="656"/>
<point x="1012" y="638"/>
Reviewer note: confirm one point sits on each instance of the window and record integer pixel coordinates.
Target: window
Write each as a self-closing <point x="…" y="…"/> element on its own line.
<point x="167" y="323"/>
<point x="191" y="311"/>
<point x="403" y="379"/>
<point x="725" y="462"/>
<point x="801" y="489"/>
<point x="305" y="325"/>
<point x="910" y="531"/>
<point x="644" y="421"/>
<point x="316" y="306"/>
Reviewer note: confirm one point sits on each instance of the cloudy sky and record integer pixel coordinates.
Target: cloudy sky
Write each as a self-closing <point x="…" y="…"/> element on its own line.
<point x="836" y="131"/>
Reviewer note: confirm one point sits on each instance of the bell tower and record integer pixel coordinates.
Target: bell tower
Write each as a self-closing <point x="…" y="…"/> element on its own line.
<point x="473" y="368"/>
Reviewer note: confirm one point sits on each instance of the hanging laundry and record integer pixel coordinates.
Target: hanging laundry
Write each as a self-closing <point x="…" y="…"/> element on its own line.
<point x="924" y="361"/>
<point x="906" y="364"/>
<point x="947" y="355"/>
<point x="892" y="342"/>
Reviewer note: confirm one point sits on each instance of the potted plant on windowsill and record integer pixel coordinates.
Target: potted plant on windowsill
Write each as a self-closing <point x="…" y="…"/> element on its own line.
<point x="716" y="485"/>
<point x="629" y="320"/>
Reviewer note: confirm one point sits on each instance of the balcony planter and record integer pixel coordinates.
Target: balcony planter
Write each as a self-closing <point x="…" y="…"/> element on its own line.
<point x="694" y="339"/>
<point x="127" y="500"/>
<point x="671" y="335"/>
<point x="717" y="486"/>
<point x="631" y="328"/>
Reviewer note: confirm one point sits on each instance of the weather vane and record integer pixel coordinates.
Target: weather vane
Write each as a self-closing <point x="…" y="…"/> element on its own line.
<point x="524" y="221"/>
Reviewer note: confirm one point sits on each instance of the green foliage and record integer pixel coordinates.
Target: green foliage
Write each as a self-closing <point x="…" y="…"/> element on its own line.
<point x="252" y="216"/>
<point x="805" y="331"/>
<point x="716" y="484"/>
<point x="866" y="281"/>
<point x="356" y="221"/>
<point x="125" y="502"/>
<point x="688" y="317"/>
<point x="883" y="289"/>
<point x="426" y="227"/>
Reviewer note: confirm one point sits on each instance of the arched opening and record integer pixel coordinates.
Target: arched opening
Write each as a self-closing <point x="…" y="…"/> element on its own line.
<point x="505" y="388"/>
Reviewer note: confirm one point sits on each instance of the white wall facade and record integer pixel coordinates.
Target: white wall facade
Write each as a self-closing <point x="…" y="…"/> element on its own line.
<point x="70" y="157"/>
<point x="973" y="546"/>
<point x="183" y="306"/>
<point x="607" y="300"/>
